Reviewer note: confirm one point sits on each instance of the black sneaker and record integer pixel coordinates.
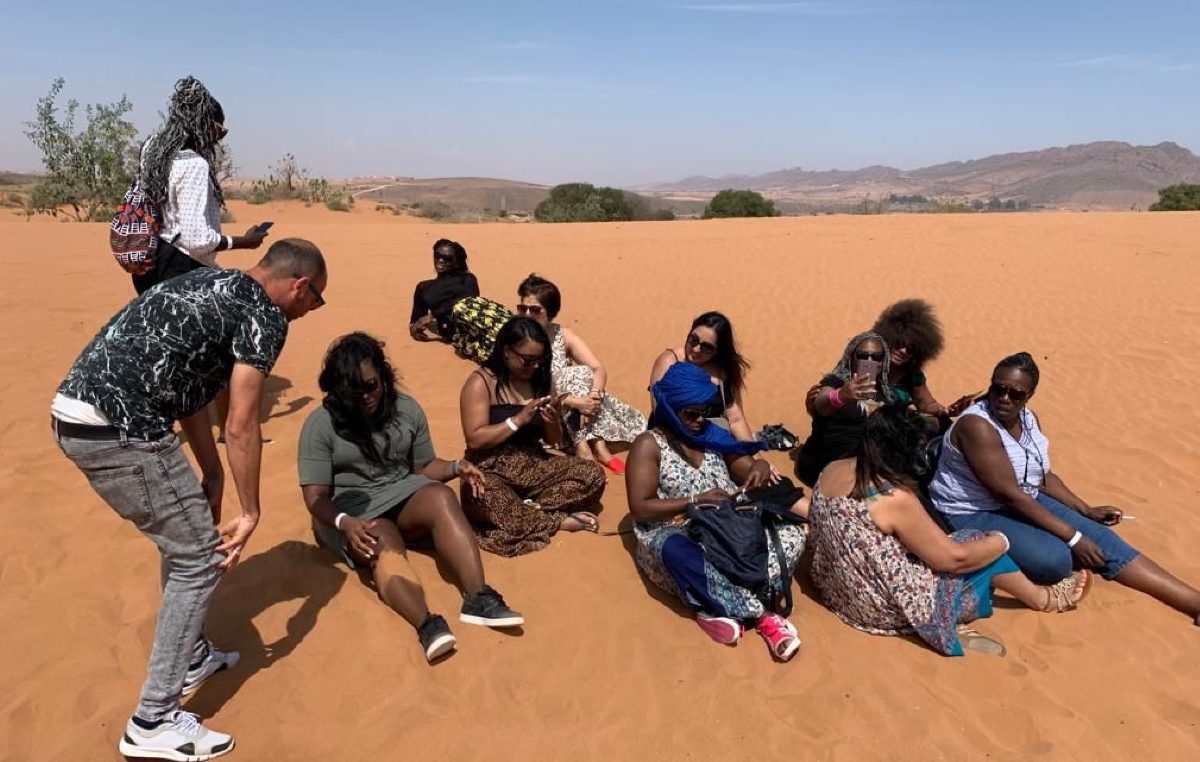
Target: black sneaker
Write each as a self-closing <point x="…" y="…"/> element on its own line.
<point x="436" y="638"/>
<point x="487" y="607"/>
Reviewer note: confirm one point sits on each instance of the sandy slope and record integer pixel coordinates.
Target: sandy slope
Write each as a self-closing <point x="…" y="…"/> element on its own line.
<point x="606" y="670"/>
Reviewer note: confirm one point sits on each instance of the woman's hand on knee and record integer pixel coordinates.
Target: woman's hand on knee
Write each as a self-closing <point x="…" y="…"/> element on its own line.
<point x="472" y="477"/>
<point x="1088" y="554"/>
<point x="358" y="534"/>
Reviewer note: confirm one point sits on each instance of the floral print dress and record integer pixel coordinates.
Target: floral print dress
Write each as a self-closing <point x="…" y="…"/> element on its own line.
<point x="616" y="421"/>
<point x="679" y="479"/>
<point x="874" y="584"/>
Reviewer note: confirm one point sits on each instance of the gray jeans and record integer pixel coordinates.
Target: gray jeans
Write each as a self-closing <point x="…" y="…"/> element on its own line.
<point x="152" y="485"/>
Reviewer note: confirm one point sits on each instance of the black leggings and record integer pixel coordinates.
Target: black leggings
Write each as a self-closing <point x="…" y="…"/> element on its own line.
<point x="169" y="262"/>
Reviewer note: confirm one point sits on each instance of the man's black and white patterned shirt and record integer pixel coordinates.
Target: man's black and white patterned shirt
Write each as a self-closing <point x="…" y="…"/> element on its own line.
<point x="169" y="352"/>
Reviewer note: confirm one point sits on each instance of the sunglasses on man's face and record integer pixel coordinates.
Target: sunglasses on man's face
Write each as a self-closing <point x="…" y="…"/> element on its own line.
<point x="529" y="361"/>
<point x="532" y="310"/>
<point x="999" y="390"/>
<point x="316" y="292"/>
<point x="694" y="341"/>
<point x="876" y="356"/>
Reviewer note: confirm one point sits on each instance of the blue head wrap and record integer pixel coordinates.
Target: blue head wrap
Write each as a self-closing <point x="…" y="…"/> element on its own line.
<point x="684" y="385"/>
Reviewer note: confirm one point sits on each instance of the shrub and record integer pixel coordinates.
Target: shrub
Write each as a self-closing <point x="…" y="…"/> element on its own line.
<point x="1182" y="197"/>
<point x="227" y="216"/>
<point x="664" y="215"/>
<point x="583" y="202"/>
<point x="434" y="210"/>
<point x="337" y="204"/>
<point x="739" y="203"/>
<point x="89" y="170"/>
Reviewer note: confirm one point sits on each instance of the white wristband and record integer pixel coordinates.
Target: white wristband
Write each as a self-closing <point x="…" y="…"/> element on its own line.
<point x="228" y="242"/>
<point x="1002" y="536"/>
<point x="512" y="425"/>
<point x="1071" y="543"/>
<point x="337" y="523"/>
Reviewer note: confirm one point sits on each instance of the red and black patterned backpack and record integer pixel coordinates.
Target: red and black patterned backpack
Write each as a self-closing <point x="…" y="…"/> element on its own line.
<point x="134" y="233"/>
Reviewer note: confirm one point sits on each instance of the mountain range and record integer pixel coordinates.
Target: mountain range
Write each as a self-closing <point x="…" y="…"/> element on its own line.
<point x="1100" y="175"/>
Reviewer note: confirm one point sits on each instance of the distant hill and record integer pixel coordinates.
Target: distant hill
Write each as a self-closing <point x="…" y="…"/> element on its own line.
<point x="1102" y="175"/>
<point x="461" y="193"/>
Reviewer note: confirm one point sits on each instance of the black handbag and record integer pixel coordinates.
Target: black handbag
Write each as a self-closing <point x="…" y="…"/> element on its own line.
<point x="730" y="534"/>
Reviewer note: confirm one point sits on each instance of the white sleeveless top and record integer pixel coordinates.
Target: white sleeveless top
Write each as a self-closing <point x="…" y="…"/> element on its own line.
<point x="956" y="490"/>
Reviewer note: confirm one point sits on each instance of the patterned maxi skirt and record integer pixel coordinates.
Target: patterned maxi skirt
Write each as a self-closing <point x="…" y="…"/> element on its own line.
<point x="528" y="493"/>
<point x="476" y="322"/>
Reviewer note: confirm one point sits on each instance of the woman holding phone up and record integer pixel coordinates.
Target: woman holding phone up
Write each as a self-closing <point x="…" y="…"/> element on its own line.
<point x="841" y="403"/>
<point x="507" y="411"/>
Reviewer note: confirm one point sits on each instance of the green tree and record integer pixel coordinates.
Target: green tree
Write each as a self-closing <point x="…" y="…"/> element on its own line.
<point x="582" y="202"/>
<point x="88" y="170"/>
<point x="1182" y="197"/>
<point x="739" y="203"/>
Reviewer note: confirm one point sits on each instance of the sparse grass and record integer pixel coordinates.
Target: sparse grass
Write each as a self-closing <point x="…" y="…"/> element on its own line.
<point x="227" y="216"/>
<point x="337" y="204"/>
<point x="435" y="210"/>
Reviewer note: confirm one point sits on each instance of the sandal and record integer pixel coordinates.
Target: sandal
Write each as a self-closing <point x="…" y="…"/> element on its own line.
<point x="977" y="641"/>
<point x="1069" y="592"/>
<point x="589" y="520"/>
<point x="615" y="465"/>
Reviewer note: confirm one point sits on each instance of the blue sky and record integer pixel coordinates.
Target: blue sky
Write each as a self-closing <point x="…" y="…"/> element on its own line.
<point x="622" y="91"/>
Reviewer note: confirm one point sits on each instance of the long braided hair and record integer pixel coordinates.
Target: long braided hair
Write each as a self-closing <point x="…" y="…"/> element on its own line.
<point x="191" y="114"/>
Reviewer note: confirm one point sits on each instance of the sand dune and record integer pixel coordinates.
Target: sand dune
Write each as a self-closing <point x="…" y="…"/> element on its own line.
<point x="606" y="668"/>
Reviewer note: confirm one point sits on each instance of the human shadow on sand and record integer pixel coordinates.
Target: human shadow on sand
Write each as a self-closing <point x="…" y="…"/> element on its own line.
<point x="290" y="571"/>
<point x="273" y="390"/>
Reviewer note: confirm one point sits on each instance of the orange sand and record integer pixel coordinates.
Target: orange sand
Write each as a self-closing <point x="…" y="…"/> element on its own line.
<point x="604" y="669"/>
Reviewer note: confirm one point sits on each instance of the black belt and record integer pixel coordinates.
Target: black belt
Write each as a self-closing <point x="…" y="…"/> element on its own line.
<point x="83" y="431"/>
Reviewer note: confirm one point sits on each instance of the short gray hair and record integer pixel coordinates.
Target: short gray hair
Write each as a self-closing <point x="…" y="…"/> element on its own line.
<point x="293" y="258"/>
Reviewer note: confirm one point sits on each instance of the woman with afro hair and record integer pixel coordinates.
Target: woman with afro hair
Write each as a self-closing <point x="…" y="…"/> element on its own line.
<point x="914" y="337"/>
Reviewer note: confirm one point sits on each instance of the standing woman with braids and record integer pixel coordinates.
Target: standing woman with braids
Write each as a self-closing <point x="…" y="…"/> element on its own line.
<point x="178" y="174"/>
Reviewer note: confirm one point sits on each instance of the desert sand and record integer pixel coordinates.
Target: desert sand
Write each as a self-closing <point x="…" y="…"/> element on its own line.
<point x="605" y="668"/>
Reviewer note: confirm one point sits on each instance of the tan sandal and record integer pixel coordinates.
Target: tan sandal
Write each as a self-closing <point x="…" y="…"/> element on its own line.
<point x="1066" y="594"/>
<point x="976" y="641"/>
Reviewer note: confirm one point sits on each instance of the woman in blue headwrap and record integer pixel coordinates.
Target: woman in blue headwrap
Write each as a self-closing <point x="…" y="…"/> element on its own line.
<point x="682" y="458"/>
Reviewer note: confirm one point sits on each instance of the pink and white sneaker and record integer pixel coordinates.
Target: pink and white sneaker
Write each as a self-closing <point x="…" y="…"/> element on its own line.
<point x="781" y="636"/>
<point x="721" y="629"/>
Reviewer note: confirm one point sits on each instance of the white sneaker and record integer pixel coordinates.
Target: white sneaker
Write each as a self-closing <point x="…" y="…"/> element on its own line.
<point x="209" y="662"/>
<point x="178" y="736"/>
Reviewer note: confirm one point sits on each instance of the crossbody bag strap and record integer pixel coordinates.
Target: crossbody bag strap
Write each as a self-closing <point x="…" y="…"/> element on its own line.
<point x="784" y="578"/>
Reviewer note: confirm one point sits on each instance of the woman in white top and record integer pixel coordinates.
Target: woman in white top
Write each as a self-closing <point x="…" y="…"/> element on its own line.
<point x="178" y="174"/>
<point x="994" y="475"/>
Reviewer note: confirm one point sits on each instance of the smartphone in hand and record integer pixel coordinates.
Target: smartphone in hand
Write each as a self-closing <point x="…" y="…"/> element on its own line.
<point x="263" y="227"/>
<point x="870" y="369"/>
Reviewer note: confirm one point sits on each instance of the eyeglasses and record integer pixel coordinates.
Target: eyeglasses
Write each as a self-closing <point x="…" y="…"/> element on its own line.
<point x="527" y="360"/>
<point x="694" y="341"/>
<point x="691" y="414"/>
<point x="370" y="386"/>
<point x="999" y="390"/>
<point x="443" y="257"/>
<point x="316" y="292"/>
<point x="532" y="310"/>
<point x="876" y="356"/>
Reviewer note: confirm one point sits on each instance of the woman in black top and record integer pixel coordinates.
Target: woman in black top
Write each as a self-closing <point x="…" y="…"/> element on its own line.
<point x="433" y="300"/>
<point x="507" y="411"/>
<point x="840" y="405"/>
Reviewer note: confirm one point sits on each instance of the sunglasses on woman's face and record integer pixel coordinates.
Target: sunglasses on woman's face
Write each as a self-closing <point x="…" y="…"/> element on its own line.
<point x="694" y="342"/>
<point x="532" y="310"/>
<point x="443" y="257"/>
<point x="369" y="386"/>
<point x="529" y="361"/>
<point x="876" y="356"/>
<point x="999" y="390"/>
